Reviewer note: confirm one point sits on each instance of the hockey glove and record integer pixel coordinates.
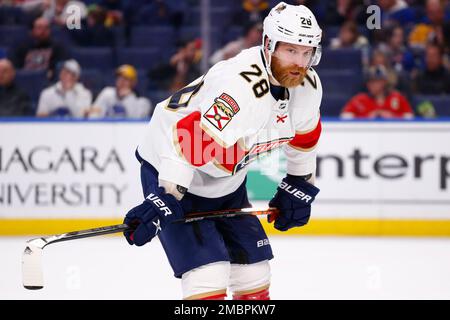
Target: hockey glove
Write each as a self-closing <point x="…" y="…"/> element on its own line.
<point x="151" y="216"/>
<point x="293" y="199"/>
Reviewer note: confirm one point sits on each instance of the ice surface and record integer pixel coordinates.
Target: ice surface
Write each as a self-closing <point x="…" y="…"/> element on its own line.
<point x="304" y="268"/>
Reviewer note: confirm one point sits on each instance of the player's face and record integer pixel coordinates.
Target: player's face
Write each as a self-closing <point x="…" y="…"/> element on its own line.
<point x="290" y="62"/>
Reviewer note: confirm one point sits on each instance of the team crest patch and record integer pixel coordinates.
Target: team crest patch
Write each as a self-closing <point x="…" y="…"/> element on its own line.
<point x="222" y="111"/>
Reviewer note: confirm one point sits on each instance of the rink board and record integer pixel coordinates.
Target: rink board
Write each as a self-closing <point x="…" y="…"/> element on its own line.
<point x="376" y="178"/>
<point x="316" y="227"/>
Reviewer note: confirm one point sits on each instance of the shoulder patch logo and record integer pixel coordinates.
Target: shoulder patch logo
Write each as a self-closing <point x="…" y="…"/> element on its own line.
<point x="222" y="111"/>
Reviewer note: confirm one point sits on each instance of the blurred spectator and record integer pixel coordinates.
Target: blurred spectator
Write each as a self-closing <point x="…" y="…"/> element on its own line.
<point x="67" y="98"/>
<point x="396" y="11"/>
<point x="14" y="102"/>
<point x="58" y="11"/>
<point x="398" y="54"/>
<point x="94" y="32"/>
<point x="251" y="11"/>
<point x="349" y="37"/>
<point x="121" y="101"/>
<point x="40" y="52"/>
<point x="435" y="79"/>
<point x="252" y="37"/>
<point x="432" y="29"/>
<point x="426" y="109"/>
<point x="31" y="8"/>
<point x="344" y="10"/>
<point x="183" y="67"/>
<point x="380" y="59"/>
<point x="400" y="61"/>
<point x="379" y="102"/>
<point x="114" y="12"/>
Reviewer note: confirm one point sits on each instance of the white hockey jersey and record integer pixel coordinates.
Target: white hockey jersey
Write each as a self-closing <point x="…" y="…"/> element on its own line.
<point x="204" y="136"/>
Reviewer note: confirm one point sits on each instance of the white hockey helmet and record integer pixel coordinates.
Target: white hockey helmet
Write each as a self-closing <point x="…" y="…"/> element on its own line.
<point x="293" y="24"/>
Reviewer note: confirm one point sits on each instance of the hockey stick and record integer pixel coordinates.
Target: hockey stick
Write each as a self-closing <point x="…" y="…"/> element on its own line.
<point x="197" y="216"/>
<point x="32" y="271"/>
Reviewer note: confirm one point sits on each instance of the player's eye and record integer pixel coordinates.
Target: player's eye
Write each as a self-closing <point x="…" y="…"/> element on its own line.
<point x="307" y="54"/>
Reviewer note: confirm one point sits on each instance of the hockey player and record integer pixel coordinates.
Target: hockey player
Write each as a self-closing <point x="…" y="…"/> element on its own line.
<point x="196" y="149"/>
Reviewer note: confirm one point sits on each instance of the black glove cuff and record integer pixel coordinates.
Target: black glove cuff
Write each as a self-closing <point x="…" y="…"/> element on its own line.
<point x="304" y="178"/>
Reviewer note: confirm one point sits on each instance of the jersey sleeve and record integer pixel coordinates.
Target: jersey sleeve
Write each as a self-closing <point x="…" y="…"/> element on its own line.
<point x="301" y="150"/>
<point x="43" y="104"/>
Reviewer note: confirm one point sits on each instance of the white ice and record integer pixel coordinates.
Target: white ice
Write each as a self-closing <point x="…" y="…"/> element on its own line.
<point x="303" y="268"/>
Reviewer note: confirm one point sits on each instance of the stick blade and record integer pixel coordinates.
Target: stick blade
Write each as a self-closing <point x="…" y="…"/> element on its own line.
<point x="32" y="273"/>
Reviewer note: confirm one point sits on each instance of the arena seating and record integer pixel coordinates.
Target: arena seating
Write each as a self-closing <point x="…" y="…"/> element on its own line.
<point x="101" y="58"/>
<point x="32" y="82"/>
<point x="11" y="35"/>
<point x="146" y="44"/>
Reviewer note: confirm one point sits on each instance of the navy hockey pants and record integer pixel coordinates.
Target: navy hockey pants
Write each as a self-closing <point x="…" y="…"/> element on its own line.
<point x="191" y="245"/>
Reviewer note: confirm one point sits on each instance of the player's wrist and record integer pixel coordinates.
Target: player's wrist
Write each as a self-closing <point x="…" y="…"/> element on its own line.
<point x="174" y="189"/>
<point x="302" y="182"/>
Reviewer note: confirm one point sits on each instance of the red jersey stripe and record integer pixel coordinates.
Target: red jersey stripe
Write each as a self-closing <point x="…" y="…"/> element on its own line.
<point x="307" y="140"/>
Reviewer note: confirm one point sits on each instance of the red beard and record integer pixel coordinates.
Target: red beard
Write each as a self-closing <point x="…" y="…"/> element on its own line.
<point x="284" y="76"/>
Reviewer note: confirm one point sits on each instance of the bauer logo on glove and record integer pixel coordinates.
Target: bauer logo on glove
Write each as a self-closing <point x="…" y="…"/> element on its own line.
<point x="295" y="192"/>
<point x="293" y="199"/>
<point x="150" y="217"/>
<point x="159" y="204"/>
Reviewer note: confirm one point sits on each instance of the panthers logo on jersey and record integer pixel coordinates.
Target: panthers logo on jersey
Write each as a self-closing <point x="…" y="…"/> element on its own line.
<point x="222" y="111"/>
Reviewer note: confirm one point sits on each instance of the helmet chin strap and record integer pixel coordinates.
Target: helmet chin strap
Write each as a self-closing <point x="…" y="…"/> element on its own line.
<point x="269" y="60"/>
